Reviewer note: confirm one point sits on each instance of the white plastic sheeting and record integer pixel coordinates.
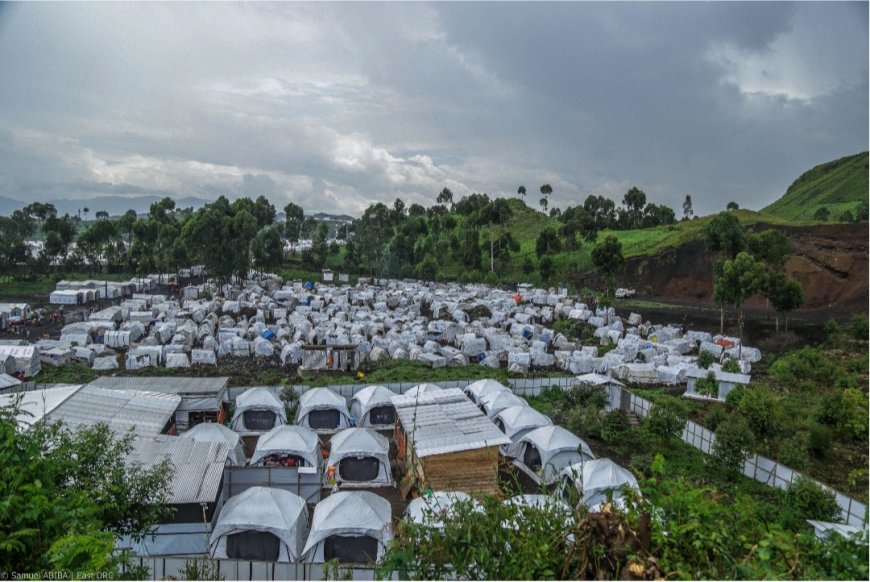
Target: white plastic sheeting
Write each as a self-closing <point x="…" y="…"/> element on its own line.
<point x="516" y="422"/>
<point x="362" y="446"/>
<point x="544" y="452"/>
<point x="355" y="514"/>
<point x="322" y="410"/>
<point x="596" y="480"/>
<point x="377" y="400"/>
<point x="257" y="400"/>
<point x="261" y="509"/>
<point x="215" y="432"/>
<point x="431" y="509"/>
<point x="294" y="440"/>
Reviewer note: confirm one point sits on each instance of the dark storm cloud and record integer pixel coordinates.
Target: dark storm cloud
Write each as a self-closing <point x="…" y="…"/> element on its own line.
<point x="334" y="106"/>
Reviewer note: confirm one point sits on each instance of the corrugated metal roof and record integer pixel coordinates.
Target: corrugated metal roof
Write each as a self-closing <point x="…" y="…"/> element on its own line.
<point x="165" y="385"/>
<point x="198" y="465"/>
<point x="446" y="422"/>
<point x="145" y="412"/>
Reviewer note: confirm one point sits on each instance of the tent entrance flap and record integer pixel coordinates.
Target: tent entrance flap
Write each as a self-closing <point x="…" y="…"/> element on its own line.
<point x="324" y="419"/>
<point x="259" y="419"/>
<point x="350" y="550"/>
<point x="253" y="545"/>
<point x="532" y="458"/>
<point x="383" y="415"/>
<point x="359" y="469"/>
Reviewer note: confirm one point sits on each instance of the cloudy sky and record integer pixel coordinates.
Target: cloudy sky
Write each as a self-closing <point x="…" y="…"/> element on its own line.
<point x="334" y="106"/>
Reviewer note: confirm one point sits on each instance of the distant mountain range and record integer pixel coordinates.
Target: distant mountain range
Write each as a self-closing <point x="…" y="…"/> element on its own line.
<point x="116" y="206"/>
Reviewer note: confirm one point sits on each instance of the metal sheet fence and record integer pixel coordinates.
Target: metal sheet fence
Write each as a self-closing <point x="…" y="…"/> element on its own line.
<point x="305" y="485"/>
<point x="757" y="467"/>
<point x="174" y="569"/>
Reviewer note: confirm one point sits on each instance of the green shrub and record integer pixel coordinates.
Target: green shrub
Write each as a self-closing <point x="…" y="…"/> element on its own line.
<point x="667" y="421"/>
<point x="586" y="422"/>
<point x="793" y="453"/>
<point x="831" y="328"/>
<point x="734" y="440"/>
<point x="854" y="418"/>
<point x="615" y="426"/>
<point x="705" y="358"/>
<point x="733" y="398"/>
<point x="811" y="501"/>
<point x="762" y="409"/>
<point x="581" y="396"/>
<point x="708" y="386"/>
<point x="806" y="364"/>
<point x="715" y="417"/>
<point x="731" y="366"/>
<point x="819" y="441"/>
<point x="859" y="327"/>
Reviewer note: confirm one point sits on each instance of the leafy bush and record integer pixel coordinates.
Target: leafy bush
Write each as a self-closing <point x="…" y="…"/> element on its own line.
<point x="586" y="422"/>
<point x="819" y="441"/>
<point x="811" y="501"/>
<point x="859" y="327"/>
<point x="733" y="398"/>
<point x="734" y="440"/>
<point x="806" y="364"/>
<point x="708" y="386"/>
<point x="705" y="358"/>
<point x="667" y="421"/>
<point x="731" y="366"/>
<point x="615" y="426"/>
<point x="831" y="328"/>
<point x="715" y="417"/>
<point x="854" y="418"/>
<point x="793" y="453"/>
<point x="762" y="410"/>
<point x="847" y="411"/>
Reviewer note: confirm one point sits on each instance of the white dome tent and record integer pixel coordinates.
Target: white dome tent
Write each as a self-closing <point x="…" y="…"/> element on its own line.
<point x="430" y="509"/>
<point x="538" y="501"/>
<point x="261" y="524"/>
<point x="372" y="407"/>
<point x="595" y="480"/>
<point x="258" y="410"/>
<point x="322" y="410"/>
<point x="476" y="390"/>
<point x="516" y="422"/>
<point x="288" y="446"/>
<point x="351" y="526"/>
<point x="494" y="402"/>
<point x="545" y="451"/>
<point x="361" y="458"/>
<point x="215" y="432"/>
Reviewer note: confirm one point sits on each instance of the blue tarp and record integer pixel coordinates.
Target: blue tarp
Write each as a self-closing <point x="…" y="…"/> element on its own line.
<point x="268" y="334"/>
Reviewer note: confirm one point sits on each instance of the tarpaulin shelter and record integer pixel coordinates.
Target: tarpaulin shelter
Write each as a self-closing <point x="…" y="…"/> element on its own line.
<point x="372" y="407"/>
<point x="257" y="411"/>
<point x="517" y="421"/>
<point x="544" y="452"/>
<point x="322" y="410"/>
<point x="361" y="458"/>
<point x="431" y="508"/>
<point x="261" y="524"/>
<point x="476" y="390"/>
<point x="215" y="432"/>
<point x="350" y="526"/>
<point x="288" y="446"/>
<point x="595" y="481"/>
<point x="494" y="402"/>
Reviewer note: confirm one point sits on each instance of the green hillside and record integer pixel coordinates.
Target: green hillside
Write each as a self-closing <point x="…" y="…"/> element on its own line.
<point x="839" y="186"/>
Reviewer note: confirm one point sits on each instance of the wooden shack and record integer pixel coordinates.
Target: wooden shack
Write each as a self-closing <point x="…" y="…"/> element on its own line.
<point x="445" y="443"/>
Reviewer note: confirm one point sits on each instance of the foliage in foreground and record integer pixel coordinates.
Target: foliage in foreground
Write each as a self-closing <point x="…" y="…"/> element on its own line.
<point x="66" y="496"/>
<point x="677" y="530"/>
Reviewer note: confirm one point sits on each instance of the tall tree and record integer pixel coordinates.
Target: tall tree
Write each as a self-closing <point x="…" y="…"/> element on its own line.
<point x="725" y="234"/>
<point x="740" y="279"/>
<point x="547" y="243"/>
<point x="521" y="191"/>
<point x="687" y="208"/>
<point x="546" y="190"/>
<point x="294" y="219"/>
<point x="445" y="197"/>
<point x="732" y="206"/>
<point x="786" y="296"/>
<point x="634" y="201"/>
<point x="607" y="258"/>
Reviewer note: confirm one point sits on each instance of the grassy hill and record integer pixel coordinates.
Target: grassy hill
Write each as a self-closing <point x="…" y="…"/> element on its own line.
<point x="839" y="186"/>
